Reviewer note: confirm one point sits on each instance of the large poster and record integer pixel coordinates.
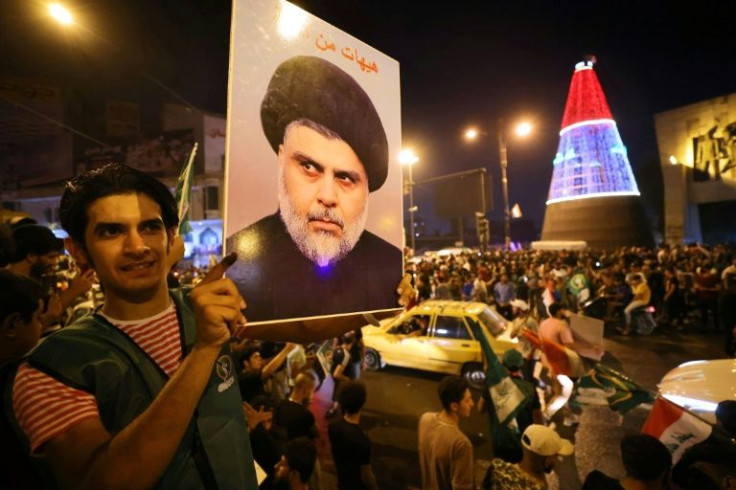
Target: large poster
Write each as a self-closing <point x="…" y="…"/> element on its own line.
<point x="313" y="197"/>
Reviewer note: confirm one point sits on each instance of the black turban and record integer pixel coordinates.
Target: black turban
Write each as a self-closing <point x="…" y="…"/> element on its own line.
<point x="307" y="87"/>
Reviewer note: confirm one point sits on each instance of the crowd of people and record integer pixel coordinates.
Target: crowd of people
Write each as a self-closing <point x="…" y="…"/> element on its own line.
<point x="689" y="287"/>
<point x="177" y="375"/>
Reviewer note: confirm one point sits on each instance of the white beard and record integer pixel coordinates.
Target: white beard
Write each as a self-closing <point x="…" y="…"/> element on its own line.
<point x="321" y="247"/>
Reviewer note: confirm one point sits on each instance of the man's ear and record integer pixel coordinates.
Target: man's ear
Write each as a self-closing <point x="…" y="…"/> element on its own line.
<point x="9" y="328"/>
<point x="76" y="250"/>
<point x="454" y="407"/>
<point x="175" y="248"/>
<point x="281" y="155"/>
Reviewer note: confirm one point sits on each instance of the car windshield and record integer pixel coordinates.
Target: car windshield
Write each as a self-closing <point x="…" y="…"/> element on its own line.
<point x="493" y="321"/>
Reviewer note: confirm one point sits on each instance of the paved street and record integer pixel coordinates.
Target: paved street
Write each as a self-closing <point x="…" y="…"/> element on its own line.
<point x="397" y="397"/>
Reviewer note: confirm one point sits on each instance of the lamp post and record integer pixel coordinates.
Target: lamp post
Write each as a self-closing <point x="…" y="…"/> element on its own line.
<point x="522" y="130"/>
<point x="408" y="158"/>
<point x="505" y="182"/>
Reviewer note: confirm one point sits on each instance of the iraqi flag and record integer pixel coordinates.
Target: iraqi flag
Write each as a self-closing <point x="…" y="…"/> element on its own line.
<point x="678" y="429"/>
<point x="560" y="359"/>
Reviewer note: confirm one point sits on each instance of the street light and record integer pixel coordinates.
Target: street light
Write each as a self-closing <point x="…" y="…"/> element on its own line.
<point x="60" y="13"/>
<point x="408" y="158"/>
<point x="522" y="130"/>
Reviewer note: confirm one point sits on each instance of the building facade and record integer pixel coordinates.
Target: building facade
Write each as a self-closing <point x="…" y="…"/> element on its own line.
<point x="697" y="151"/>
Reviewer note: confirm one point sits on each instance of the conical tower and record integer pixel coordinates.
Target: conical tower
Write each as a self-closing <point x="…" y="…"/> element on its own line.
<point x="593" y="195"/>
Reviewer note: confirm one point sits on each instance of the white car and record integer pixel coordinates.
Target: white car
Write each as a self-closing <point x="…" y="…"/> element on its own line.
<point x="700" y="385"/>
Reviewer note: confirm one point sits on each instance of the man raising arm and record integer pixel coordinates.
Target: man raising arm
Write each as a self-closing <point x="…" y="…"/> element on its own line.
<point x="144" y="394"/>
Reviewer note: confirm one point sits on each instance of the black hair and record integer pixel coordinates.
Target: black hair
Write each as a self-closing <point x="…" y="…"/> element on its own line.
<point x="7" y="245"/>
<point x="111" y="179"/>
<point x="19" y="294"/>
<point x="452" y="390"/>
<point x="555" y="308"/>
<point x="645" y="458"/>
<point x="352" y="397"/>
<point x="248" y="351"/>
<point x="726" y="415"/>
<point x="301" y="454"/>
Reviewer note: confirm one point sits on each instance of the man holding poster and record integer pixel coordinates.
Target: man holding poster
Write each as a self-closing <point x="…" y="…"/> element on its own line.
<point x="314" y="257"/>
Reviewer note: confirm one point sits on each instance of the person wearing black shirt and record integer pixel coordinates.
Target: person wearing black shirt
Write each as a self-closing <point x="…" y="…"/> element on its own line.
<point x="267" y="440"/>
<point x="292" y="414"/>
<point x="351" y="448"/>
<point x="255" y="372"/>
<point x="357" y="353"/>
<point x="647" y="463"/>
<point x="342" y="368"/>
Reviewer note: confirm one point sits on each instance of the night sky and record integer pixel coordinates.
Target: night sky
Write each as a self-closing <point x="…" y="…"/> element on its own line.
<point x="461" y="63"/>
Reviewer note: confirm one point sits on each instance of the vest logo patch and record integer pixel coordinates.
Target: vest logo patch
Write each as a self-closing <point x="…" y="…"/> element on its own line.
<point x="224" y="370"/>
<point x="224" y="367"/>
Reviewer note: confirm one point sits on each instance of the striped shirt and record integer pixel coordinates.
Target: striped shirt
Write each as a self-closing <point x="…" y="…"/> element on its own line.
<point x="46" y="408"/>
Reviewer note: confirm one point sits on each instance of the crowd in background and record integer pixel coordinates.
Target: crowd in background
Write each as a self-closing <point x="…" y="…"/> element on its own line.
<point x="692" y="287"/>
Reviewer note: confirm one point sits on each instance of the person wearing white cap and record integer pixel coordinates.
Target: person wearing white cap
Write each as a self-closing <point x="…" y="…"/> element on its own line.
<point x="542" y="447"/>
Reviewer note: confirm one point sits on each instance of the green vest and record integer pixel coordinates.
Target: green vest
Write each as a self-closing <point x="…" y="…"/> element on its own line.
<point x="94" y="356"/>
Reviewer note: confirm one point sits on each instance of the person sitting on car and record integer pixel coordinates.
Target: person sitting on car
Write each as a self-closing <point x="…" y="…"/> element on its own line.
<point x="420" y="325"/>
<point x="416" y="326"/>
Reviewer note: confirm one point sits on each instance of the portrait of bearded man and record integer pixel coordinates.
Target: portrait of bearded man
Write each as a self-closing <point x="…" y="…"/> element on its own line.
<point x="314" y="257"/>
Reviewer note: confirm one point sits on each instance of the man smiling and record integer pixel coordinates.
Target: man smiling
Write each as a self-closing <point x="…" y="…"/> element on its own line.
<point x="314" y="257"/>
<point x="141" y="394"/>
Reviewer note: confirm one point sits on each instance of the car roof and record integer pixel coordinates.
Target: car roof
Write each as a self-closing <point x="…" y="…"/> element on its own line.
<point x="445" y="306"/>
<point x="700" y="385"/>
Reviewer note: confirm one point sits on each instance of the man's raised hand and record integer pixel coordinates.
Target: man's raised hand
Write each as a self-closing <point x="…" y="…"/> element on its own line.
<point x="217" y="306"/>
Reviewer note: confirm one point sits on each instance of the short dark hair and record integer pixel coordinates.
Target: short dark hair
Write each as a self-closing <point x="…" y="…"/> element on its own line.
<point x="7" y="245"/>
<point x="301" y="454"/>
<point x="35" y="240"/>
<point x="452" y="390"/>
<point x="248" y="352"/>
<point x="352" y="397"/>
<point x="111" y="179"/>
<point x="19" y="294"/>
<point x="645" y="458"/>
<point x="555" y="308"/>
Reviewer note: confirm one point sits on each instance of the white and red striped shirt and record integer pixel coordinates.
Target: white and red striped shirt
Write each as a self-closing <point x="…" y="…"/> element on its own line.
<point x="46" y="408"/>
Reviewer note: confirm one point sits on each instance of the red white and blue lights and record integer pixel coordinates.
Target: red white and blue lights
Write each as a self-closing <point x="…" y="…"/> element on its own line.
<point x="591" y="159"/>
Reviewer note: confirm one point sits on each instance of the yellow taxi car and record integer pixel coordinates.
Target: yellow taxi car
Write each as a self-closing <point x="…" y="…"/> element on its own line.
<point x="436" y="336"/>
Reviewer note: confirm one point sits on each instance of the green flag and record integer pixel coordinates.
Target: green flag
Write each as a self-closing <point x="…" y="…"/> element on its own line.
<point x="605" y="386"/>
<point x="184" y="190"/>
<point x="507" y="398"/>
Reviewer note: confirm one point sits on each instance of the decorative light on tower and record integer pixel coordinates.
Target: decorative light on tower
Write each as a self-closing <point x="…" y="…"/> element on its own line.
<point x="593" y="195"/>
<point x="591" y="159"/>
